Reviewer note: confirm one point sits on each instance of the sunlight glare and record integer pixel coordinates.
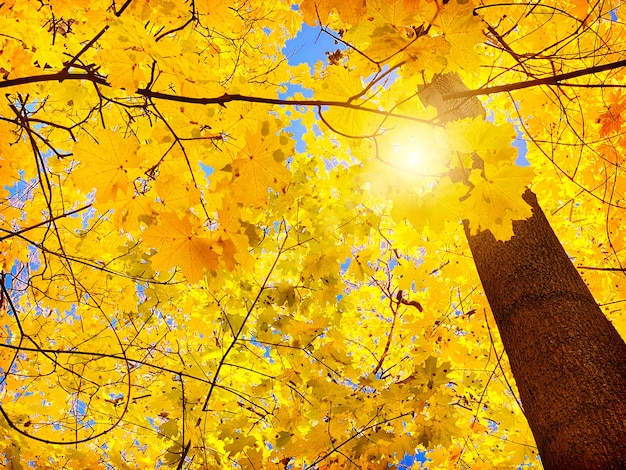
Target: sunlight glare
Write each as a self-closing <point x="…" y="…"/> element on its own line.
<point x="417" y="151"/>
<point x="409" y="155"/>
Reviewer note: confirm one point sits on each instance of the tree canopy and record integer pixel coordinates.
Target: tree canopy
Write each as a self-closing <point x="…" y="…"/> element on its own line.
<point x="214" y="257"/>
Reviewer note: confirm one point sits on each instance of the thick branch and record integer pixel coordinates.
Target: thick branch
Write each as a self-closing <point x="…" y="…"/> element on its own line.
<point x="226" y="98"/>
<point x="221" y="100"/>
<point x="553" y="80"/>
<point x="51" y="77"/>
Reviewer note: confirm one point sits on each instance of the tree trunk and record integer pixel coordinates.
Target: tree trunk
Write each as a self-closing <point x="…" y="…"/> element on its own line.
<point x="568" y="360"/>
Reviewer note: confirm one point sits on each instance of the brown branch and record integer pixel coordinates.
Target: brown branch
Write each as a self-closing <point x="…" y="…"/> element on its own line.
<point x="237" y="334"/>
<point x="379" y="365"/>
<point x="47" y="221"/>
<point x="226" y="98"/>
<point x="221" y="100"/>
<point x="553" y="80"/>
<point x="51" y="77"/>
<point x="593" y="268"/>
<point x="90" y="44"/>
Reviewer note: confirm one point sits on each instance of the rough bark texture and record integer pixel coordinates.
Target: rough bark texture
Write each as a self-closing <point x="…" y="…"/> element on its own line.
<point x="568" y="360"/>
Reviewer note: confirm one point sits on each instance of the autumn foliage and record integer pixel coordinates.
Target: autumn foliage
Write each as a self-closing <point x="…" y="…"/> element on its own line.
<point x="182" y="286"/>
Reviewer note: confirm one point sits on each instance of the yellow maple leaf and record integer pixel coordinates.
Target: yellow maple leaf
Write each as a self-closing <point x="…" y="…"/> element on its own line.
<point x="579" y="8"/>
<point x="478" y="427"/>
<point x="238" y="234"/>
<point x="129" y="210"/>
<point x="496" y="199"/>
<point x="176" y="194"/>
<point x="178" y="245"/>
<point x="127" y="69"/>
<point x="109" y="163"/>
<point x="259" y="166"/>
<point x="490" y="141"/>
<point x="339" y="84"/>
<point x="463" y="30"/>
<point x="612" y="120"/>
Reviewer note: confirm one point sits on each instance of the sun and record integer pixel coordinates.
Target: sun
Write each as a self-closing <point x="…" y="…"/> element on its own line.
<point x="418" y="150"/>
<point x="408" y="154"/>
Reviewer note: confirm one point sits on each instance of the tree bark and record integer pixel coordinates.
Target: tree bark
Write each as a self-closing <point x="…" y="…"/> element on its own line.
<point x="568" y="360"/>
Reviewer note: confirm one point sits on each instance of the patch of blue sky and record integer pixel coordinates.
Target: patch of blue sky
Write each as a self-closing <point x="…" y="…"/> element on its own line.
<point x="297" y="129"/>
<point x="309" y="46"/>
<point x="292" y="88"/>
<point x="410" y="459"/>
<point x="140" y="446"/>
<point x="267" y="349"/>
<point x="79" y="409"/>
<point x="33" y="258"/>
<point x="89" y="214"/>
<point x="208" y="170"/>
<point x="25" y="392"/>
<point x="68" y="315"/>
<point x="151" y="422"/>
<point x="15" y="282"/>
<point x="317" y="131"/>
<point x="522" y="147"/>
<point x="141" y="291"/>
<point x="20" y="190"/>
<point x="492" y="426"/>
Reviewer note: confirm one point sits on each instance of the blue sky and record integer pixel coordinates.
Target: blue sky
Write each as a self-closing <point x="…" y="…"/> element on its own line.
<point x="309" y="46"/>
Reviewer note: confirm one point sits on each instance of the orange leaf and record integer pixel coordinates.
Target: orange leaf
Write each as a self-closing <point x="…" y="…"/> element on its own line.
<point x="315" y="11"/>
<point x="611" y="121"/>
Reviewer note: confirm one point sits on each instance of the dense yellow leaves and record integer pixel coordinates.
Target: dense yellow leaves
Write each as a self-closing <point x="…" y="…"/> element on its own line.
<point x="196" y="273"/>
<point x="339" y="84"/>
<point x="495" y="183"/>
<point x="109" y="163"/>
<point x="317" y="11"/>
